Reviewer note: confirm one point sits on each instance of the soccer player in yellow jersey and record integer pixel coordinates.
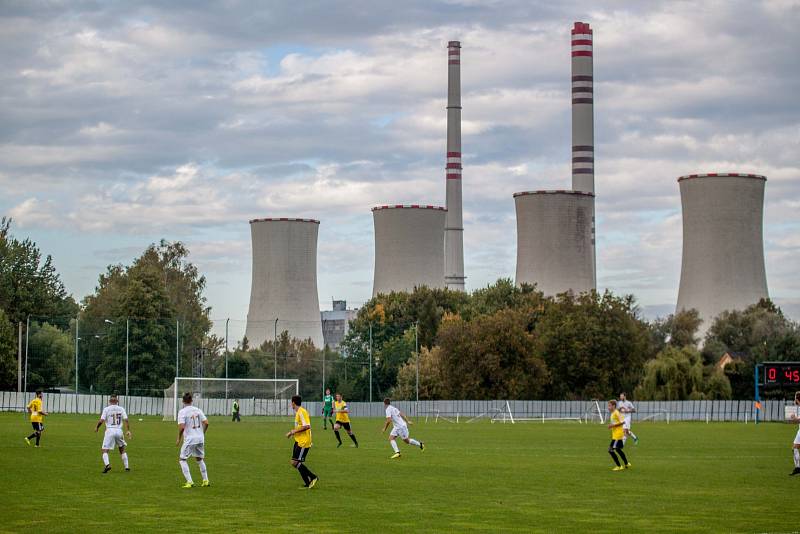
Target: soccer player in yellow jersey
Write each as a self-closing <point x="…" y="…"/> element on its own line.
<point x="302" y="442"/>
<point x="36" y="410"/>
<point x="342" y="420"/>
<point x="615" y="423"/>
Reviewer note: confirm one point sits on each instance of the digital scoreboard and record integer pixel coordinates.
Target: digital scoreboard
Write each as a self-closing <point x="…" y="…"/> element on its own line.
<point x="781" y="373"/>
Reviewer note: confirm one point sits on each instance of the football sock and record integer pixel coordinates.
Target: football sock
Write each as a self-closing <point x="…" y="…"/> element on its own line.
<point x="303" y="473"/>
<point x="331" y="421"/>
<point x="124" y="456"/>
<point x="353" y="437"/>
<point x="796" y="457"/>
<point x="338" y="437"/>
<point x="32" y="436"/>
<point x="394" y="446"/>
<point x="185" y="469"/>
<point x="105" y="459"/>
<point x="622" y="455"/>
<point x="624" y="440"/>
<point x="614" y="456"/>
<point x="414" y="442"/>
<point x="634" y="436"/>
<point x="203" y="471"/>
<point x="308" y="472"/>
<point x="38" y="437"/>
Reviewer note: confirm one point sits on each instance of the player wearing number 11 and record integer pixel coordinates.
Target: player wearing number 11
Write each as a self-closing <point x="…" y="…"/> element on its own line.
<point x="113" y="416"/>
<point x="192" y="427"/>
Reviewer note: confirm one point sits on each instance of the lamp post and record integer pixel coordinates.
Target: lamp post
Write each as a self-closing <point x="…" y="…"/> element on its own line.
<point x="127" y="350"/>
<point x="416" y="348"/>
<point x="370" y="362"/>
<point x="275" y="354"/>
<point x="27" y="337"/>
<point x="227" y="321"/>
<point x="77" y="334"/>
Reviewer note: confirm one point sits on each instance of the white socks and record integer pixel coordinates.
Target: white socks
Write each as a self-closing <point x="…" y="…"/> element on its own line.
<point x="796" y="457"/>
<point x="124" y="456"/>
<point x="414" y="442"/>
<point x="397" y="449"/>
<point x="185" y="469"/>
<point x="624" y="440"/>
<point x="203" y="471"/>
<point x="106" y="462"/>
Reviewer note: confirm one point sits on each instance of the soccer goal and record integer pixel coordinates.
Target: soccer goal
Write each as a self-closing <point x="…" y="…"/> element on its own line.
<point x="593" y="413"/>
<point x="215" y="396"/>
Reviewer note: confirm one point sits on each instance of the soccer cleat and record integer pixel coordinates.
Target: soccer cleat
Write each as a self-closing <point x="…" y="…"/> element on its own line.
<point x="188" y="485"/>
<point x="205" y="484"/>
<point x="795" y="472"/>
<point x="106" y="469"/>
<point x="635" y="440"/>
<point x="421" y="446"/>
<point x="312" y="482"/>
<point x="395" y="455"/>
<point x="127" y="469"/>
<point x="628" y="465"/>
<point x="338" y="444"/>
<point x="618" y="468"/>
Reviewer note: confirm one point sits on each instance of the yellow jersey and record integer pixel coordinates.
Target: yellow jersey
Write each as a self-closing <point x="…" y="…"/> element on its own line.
<point x="35" y="406"/>
<point x="301" y="419"/>
<point x="617" y="432"/>
<point x="341" y="417"/>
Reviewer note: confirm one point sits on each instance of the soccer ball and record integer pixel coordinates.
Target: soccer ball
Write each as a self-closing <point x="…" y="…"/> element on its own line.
<point x="140" y="419"/>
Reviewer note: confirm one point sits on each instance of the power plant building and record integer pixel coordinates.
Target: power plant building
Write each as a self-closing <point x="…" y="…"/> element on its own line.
<point x="454" y="225"/>
<point x="409" y="247"/>
<point x="284" y="280"/>
<point x="722" y="266"/>
<point x="554" y="240"/>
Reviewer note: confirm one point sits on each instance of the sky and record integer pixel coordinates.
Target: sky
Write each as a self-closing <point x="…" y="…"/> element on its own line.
<point x="122" y="123"/>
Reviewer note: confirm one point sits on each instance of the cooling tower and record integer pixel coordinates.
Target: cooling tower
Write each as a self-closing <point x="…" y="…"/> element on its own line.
<point x="723" y="249"/>
<point x="284" y="284"/>
<point x="409" y="247"/>
<point x="554" y="240"/>
<point x="454" y="226"/>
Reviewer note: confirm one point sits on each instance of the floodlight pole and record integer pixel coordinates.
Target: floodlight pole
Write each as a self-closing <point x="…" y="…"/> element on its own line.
<point x="77" y="333"/>
<point x="370" y="362"/>
<point x="27" y="337"/>
<point x="19" y="356"/>
<point x="275" y="354"/>
<point x="127" y="354"/>
<point x="177" y="347"/>
<point x="227" y="321"/>
<point x="416" y="347"/>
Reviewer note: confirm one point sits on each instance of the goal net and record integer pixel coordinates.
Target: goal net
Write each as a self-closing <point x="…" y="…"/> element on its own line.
<point x="215" y="396"/>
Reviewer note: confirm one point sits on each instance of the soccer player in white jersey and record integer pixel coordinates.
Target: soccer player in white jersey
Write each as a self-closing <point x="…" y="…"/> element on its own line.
<point x="399" y="424"/>
<point x="796" y="445"/>
<point x="627" y="409"/>
<point x="192" y="427"/>
<point x="113" y="417"/>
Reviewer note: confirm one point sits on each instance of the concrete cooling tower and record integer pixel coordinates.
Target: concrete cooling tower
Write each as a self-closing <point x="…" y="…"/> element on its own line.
<point x="554" y="240"/>
<point x="723" y="249"/>
<point x="409" y="247"/>
<point x="284" y="284"/>
<point x="454" y="226"/>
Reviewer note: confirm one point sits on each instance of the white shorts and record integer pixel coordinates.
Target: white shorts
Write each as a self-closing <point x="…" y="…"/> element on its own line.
<point x="797" y="438"/>
<point x="113" y="438"/>
<point x="193" y="449"/>
<point x="399" y="431"/>
<point x="626" y="425"/>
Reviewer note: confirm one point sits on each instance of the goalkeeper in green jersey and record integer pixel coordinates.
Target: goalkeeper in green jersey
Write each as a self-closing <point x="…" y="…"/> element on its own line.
<point x="327" y="409"/>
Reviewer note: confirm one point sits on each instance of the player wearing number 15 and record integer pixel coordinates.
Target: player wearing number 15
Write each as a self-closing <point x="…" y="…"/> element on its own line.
<point x="192" y="427"/>
<point x="113" y="416"/>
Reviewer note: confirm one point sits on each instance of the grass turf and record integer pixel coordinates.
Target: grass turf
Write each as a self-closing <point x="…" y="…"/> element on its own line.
<point x="689" y="477"/>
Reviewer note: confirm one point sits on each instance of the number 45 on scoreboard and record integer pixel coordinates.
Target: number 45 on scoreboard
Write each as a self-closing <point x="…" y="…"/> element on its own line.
<point x="781" y="373"/>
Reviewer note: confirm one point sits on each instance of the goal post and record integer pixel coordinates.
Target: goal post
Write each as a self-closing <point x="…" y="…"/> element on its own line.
<point x="215" y="396"/>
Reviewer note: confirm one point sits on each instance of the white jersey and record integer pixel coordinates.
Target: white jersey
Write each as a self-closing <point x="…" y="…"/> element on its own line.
<point x="192" y="418"/>
<point x="394" y="413"/>
<point x="114" y="415"/>
<point x="625" y="408"/>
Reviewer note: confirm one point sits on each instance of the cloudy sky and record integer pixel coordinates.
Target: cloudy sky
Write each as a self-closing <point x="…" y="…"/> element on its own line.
<point x="125" y="122"/>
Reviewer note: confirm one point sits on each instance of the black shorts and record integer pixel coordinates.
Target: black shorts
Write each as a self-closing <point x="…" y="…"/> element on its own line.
<point x="342" y="424"/>
<point x="38" y="427"/>
<point x="299" y="453"/>
<point x="616" y="444"/>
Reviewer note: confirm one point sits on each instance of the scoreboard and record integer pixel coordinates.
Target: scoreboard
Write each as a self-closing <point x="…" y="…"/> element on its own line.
<point x="781" y="373"/>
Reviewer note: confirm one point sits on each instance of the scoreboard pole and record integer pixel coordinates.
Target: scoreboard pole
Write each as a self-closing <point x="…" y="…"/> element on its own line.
<point x="758" y="398"/>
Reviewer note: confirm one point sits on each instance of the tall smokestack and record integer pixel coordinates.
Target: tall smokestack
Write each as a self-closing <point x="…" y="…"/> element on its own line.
<point x="583" y="118"/>
<point x="454" y="226"/>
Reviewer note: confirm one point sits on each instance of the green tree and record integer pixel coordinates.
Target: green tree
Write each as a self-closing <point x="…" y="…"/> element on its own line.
<point x="8" y="353"/>
<point x="677" y="330"/>
<point x="677" y="374"/>
<point x="55" y="349"/>
<point x="431" y="379"/>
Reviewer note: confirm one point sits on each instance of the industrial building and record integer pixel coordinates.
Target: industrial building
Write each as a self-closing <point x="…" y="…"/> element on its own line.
<point x="409" y="247"/>
<point x="336" y="323"/>
<point x="554" y="238"/>
<point x="284" y="280"/>
<point x="556" y="228"/>
<point x="454" y="226"/>
<point x="722" y="266"/>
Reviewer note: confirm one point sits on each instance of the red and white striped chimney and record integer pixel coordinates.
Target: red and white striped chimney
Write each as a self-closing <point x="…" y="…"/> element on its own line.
<point x="454" y="227"/>
<point x="582" y="109"/>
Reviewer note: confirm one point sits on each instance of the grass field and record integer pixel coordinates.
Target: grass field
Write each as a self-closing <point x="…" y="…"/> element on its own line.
<point x="529" y="477"/>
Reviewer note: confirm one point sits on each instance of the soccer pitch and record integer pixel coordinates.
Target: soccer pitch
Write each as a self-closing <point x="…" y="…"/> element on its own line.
<point x="526" y="477"/>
